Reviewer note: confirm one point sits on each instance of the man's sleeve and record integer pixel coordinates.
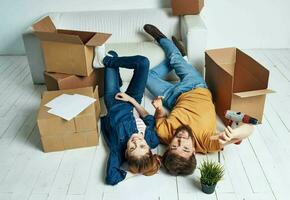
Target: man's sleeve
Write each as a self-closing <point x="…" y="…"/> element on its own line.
<point x="212" y="145"/>
<point x="114" y="173"/>
<point x="165" y="128"/>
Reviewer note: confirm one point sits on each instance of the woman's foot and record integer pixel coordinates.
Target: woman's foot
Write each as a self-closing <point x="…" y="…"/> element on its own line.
<point x="100" y="53"/>
<point x="154" y="32"/>
<point x="179" y="46"/>
<point x="111" y="54"/>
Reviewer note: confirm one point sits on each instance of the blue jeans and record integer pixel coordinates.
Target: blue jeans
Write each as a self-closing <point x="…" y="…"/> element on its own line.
<point x="113" y="82"/>
<point x="189" y="77"/>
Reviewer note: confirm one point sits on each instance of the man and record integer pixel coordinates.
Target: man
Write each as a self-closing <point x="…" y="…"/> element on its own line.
<point x="190" y="127"/>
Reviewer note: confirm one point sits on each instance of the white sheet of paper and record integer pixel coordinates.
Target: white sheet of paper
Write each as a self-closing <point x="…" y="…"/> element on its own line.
<point x="58" y="101"/>
<point x="69" y="106"/>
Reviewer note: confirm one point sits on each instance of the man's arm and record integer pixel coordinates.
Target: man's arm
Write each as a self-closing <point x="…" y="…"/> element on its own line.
<point x="159" y="110"/>
<point x="229" y="135"/>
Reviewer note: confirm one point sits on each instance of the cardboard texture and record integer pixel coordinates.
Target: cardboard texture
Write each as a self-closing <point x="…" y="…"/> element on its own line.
<point x="68" y="51"/>
<point x="186" y="7"/>
<point x="58" y="134"/>
<point x="58" y="81"/>
<point x="237" y="82"/>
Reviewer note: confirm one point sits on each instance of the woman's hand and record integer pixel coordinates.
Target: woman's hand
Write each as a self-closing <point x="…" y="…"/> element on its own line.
<point x="157" y="102"/>
<point x="122" y="96"/>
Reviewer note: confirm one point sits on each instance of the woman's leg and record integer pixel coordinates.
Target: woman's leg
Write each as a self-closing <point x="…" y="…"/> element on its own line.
<point x="155" y="83"/>
<point x="140" y="64"/>
<point x="111" y="85"/>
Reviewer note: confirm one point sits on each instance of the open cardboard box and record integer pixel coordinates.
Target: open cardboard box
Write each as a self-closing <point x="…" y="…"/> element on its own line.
<point x="68" y="51"/>
<point x="58" y="134"/>
<point x="58" y="81"/>
<point x="237" y="82"/>
<point x="186" y="7"/>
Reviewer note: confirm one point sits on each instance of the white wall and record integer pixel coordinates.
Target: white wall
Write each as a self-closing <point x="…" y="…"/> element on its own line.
<point x="241" y="23"/>
<point x="248" y="23"/>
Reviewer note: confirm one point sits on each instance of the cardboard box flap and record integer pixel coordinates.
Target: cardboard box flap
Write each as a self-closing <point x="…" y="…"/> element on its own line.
<point x="57" y="76"/>
<point x="253" y="93"/>
<point x="225" y="58"/>
<point x="221" y="93"/>
<point x="57" y="37"/>
<point x="97" y="103"/>
<point x="249" y="74"/>
<point x="98" y="39"/>
<point x="96" y="93"/>
<point x="44" y="25"/>
<point x="85" y="36"/>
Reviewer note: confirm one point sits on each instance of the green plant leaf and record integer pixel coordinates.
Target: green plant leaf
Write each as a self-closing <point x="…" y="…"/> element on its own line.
<point x="211" y="172"/>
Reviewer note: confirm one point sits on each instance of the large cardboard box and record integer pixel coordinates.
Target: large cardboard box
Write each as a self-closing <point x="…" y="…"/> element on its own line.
<point x="58" y="134"/>
<point x="237" y="82"/>
<point x="186" y="7"/>
<point x="68" y="51"/>
<point x="58" y="81"/>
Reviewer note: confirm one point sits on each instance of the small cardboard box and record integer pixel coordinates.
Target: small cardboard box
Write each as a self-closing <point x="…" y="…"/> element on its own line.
<point x="186" y="7"/>
<point x="237" y="82"/>
<point x="68" y="51"/>
<point x="58" y="134"/>
<point x="57" y="81"/>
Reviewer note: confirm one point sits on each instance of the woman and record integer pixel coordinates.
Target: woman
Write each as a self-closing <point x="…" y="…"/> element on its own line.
<point x="128" y="128"/>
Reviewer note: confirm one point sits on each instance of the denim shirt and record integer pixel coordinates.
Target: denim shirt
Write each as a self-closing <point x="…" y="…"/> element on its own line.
<point x="117" y="127"/>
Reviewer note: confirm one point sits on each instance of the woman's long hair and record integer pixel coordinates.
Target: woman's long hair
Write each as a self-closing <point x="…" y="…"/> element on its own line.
<point x="147" y="165"/>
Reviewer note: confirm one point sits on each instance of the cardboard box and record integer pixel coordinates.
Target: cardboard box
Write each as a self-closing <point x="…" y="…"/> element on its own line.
<point x="186" y="7"/>
<point x="57" y="81"/>
<point x="69" y="141"/>
<point x="68" y="51"/>
<point x="58" y="134"/>
<point x="237" y="82"/>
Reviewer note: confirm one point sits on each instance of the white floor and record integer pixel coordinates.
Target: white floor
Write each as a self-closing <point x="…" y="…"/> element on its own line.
<point x="258" y="169"/>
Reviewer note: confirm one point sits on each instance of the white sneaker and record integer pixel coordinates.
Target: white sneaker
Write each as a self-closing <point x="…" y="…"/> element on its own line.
<point x="185" y="58"/>
<point x="100" y="53"/>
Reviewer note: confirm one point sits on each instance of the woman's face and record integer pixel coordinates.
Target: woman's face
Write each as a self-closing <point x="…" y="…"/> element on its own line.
<point x="137" y="146"/>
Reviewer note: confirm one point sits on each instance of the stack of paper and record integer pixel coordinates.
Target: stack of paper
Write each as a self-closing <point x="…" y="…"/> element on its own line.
<point x="68" y="106"/>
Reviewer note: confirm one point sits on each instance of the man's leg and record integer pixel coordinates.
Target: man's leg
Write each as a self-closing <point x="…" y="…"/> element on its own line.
<point x="185" y="71"/>
<point x="155" y="83"/>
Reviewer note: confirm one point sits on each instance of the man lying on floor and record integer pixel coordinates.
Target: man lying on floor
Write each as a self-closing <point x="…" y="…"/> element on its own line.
<point x="191" y="125"/>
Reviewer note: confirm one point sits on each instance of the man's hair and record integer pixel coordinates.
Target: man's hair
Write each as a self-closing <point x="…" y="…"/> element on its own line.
<point x="176" y="164"/>
<point x="184" y="128"/>
<point x="147" y="165"/>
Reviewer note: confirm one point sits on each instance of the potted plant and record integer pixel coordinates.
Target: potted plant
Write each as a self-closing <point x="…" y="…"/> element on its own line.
<point x="211" y="172"/>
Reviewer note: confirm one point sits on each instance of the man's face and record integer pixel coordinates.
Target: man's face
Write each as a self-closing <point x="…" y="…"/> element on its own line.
<point x="137" y="146"/>
<point x="182" y="144"/>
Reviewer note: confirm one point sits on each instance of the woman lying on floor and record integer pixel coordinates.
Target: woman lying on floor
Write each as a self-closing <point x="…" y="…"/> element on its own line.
<point x="128" y="129"/>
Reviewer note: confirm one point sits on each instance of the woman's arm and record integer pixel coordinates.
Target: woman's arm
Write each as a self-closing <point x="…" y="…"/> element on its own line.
<point x="114" y="172"/>
<point x="150" y="136"/>
<point x="125" y="97"/>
